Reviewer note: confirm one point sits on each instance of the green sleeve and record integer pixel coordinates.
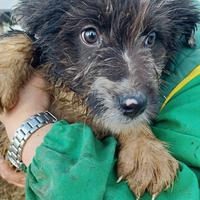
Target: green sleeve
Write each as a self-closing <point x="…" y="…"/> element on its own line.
<point x="72" y="164"/>
<point x="179" y="126"/>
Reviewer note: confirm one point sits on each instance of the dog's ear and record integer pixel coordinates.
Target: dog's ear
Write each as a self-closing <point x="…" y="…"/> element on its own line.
<point x="39" y="16"/>
<point x="184" y="16"/>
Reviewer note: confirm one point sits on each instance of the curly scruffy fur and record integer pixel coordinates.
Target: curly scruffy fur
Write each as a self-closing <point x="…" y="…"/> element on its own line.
<point x="87" y="80"/>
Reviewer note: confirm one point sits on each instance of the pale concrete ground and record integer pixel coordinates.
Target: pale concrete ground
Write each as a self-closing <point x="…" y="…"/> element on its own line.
<point x="7" y="4"/>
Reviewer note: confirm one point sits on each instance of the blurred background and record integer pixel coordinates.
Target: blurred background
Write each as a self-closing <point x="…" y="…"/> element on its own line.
<point x="5" y="16"/>
<point x="7" y="4"/>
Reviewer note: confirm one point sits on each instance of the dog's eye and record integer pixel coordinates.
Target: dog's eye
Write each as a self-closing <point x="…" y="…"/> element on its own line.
<point x="89" y="36"/>
<point x="150" y="40"/>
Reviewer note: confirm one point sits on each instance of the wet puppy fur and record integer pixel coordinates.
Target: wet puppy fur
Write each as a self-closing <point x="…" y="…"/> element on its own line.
<point x="112" y="55"/>
<point x="110" y="51"/>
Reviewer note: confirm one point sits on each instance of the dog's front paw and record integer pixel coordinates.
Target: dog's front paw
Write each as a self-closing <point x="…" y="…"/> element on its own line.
<point x="147" y="166"/>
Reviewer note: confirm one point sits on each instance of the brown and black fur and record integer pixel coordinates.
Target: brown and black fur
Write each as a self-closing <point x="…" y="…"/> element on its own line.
<point x="88" y="81"/>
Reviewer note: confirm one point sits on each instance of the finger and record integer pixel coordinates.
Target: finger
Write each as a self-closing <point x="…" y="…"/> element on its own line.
<point x="10" y="175"/>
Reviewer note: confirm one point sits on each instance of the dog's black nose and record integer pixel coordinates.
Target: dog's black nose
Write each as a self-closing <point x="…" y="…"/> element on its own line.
<point x="132" y="106"/>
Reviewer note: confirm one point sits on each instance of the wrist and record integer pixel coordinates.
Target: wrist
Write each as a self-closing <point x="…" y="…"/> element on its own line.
<point x="15" y="118"/>
<point x="33" y="143"/>
<point x="29" y="135"/>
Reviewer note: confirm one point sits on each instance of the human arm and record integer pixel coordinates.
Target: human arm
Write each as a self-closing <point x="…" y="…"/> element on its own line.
<point x="32" y="99"/>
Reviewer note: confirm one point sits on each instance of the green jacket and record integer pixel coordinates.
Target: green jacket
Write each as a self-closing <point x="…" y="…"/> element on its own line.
<point x="72" y="164"/>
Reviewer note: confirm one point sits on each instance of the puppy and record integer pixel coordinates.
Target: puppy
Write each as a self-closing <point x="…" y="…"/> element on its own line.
<point x="103" y="60"/>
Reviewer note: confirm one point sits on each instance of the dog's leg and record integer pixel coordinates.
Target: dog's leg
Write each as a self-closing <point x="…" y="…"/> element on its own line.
<point x="145" y="163"/>
<point x="15" y="69"/>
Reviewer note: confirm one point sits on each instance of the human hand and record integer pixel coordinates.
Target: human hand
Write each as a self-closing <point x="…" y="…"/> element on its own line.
<point x="32" y="99"/>
<point x="10" y="175"/>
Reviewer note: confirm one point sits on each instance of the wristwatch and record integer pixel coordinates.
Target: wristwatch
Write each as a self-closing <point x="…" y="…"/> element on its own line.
<point x="22" y="134"/>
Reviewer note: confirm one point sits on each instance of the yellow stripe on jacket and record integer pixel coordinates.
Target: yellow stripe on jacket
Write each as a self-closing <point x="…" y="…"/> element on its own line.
<point x="195" y="72"/>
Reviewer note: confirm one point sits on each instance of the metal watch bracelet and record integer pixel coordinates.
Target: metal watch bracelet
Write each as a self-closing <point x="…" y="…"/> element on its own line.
<point x="22" y="134"/>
